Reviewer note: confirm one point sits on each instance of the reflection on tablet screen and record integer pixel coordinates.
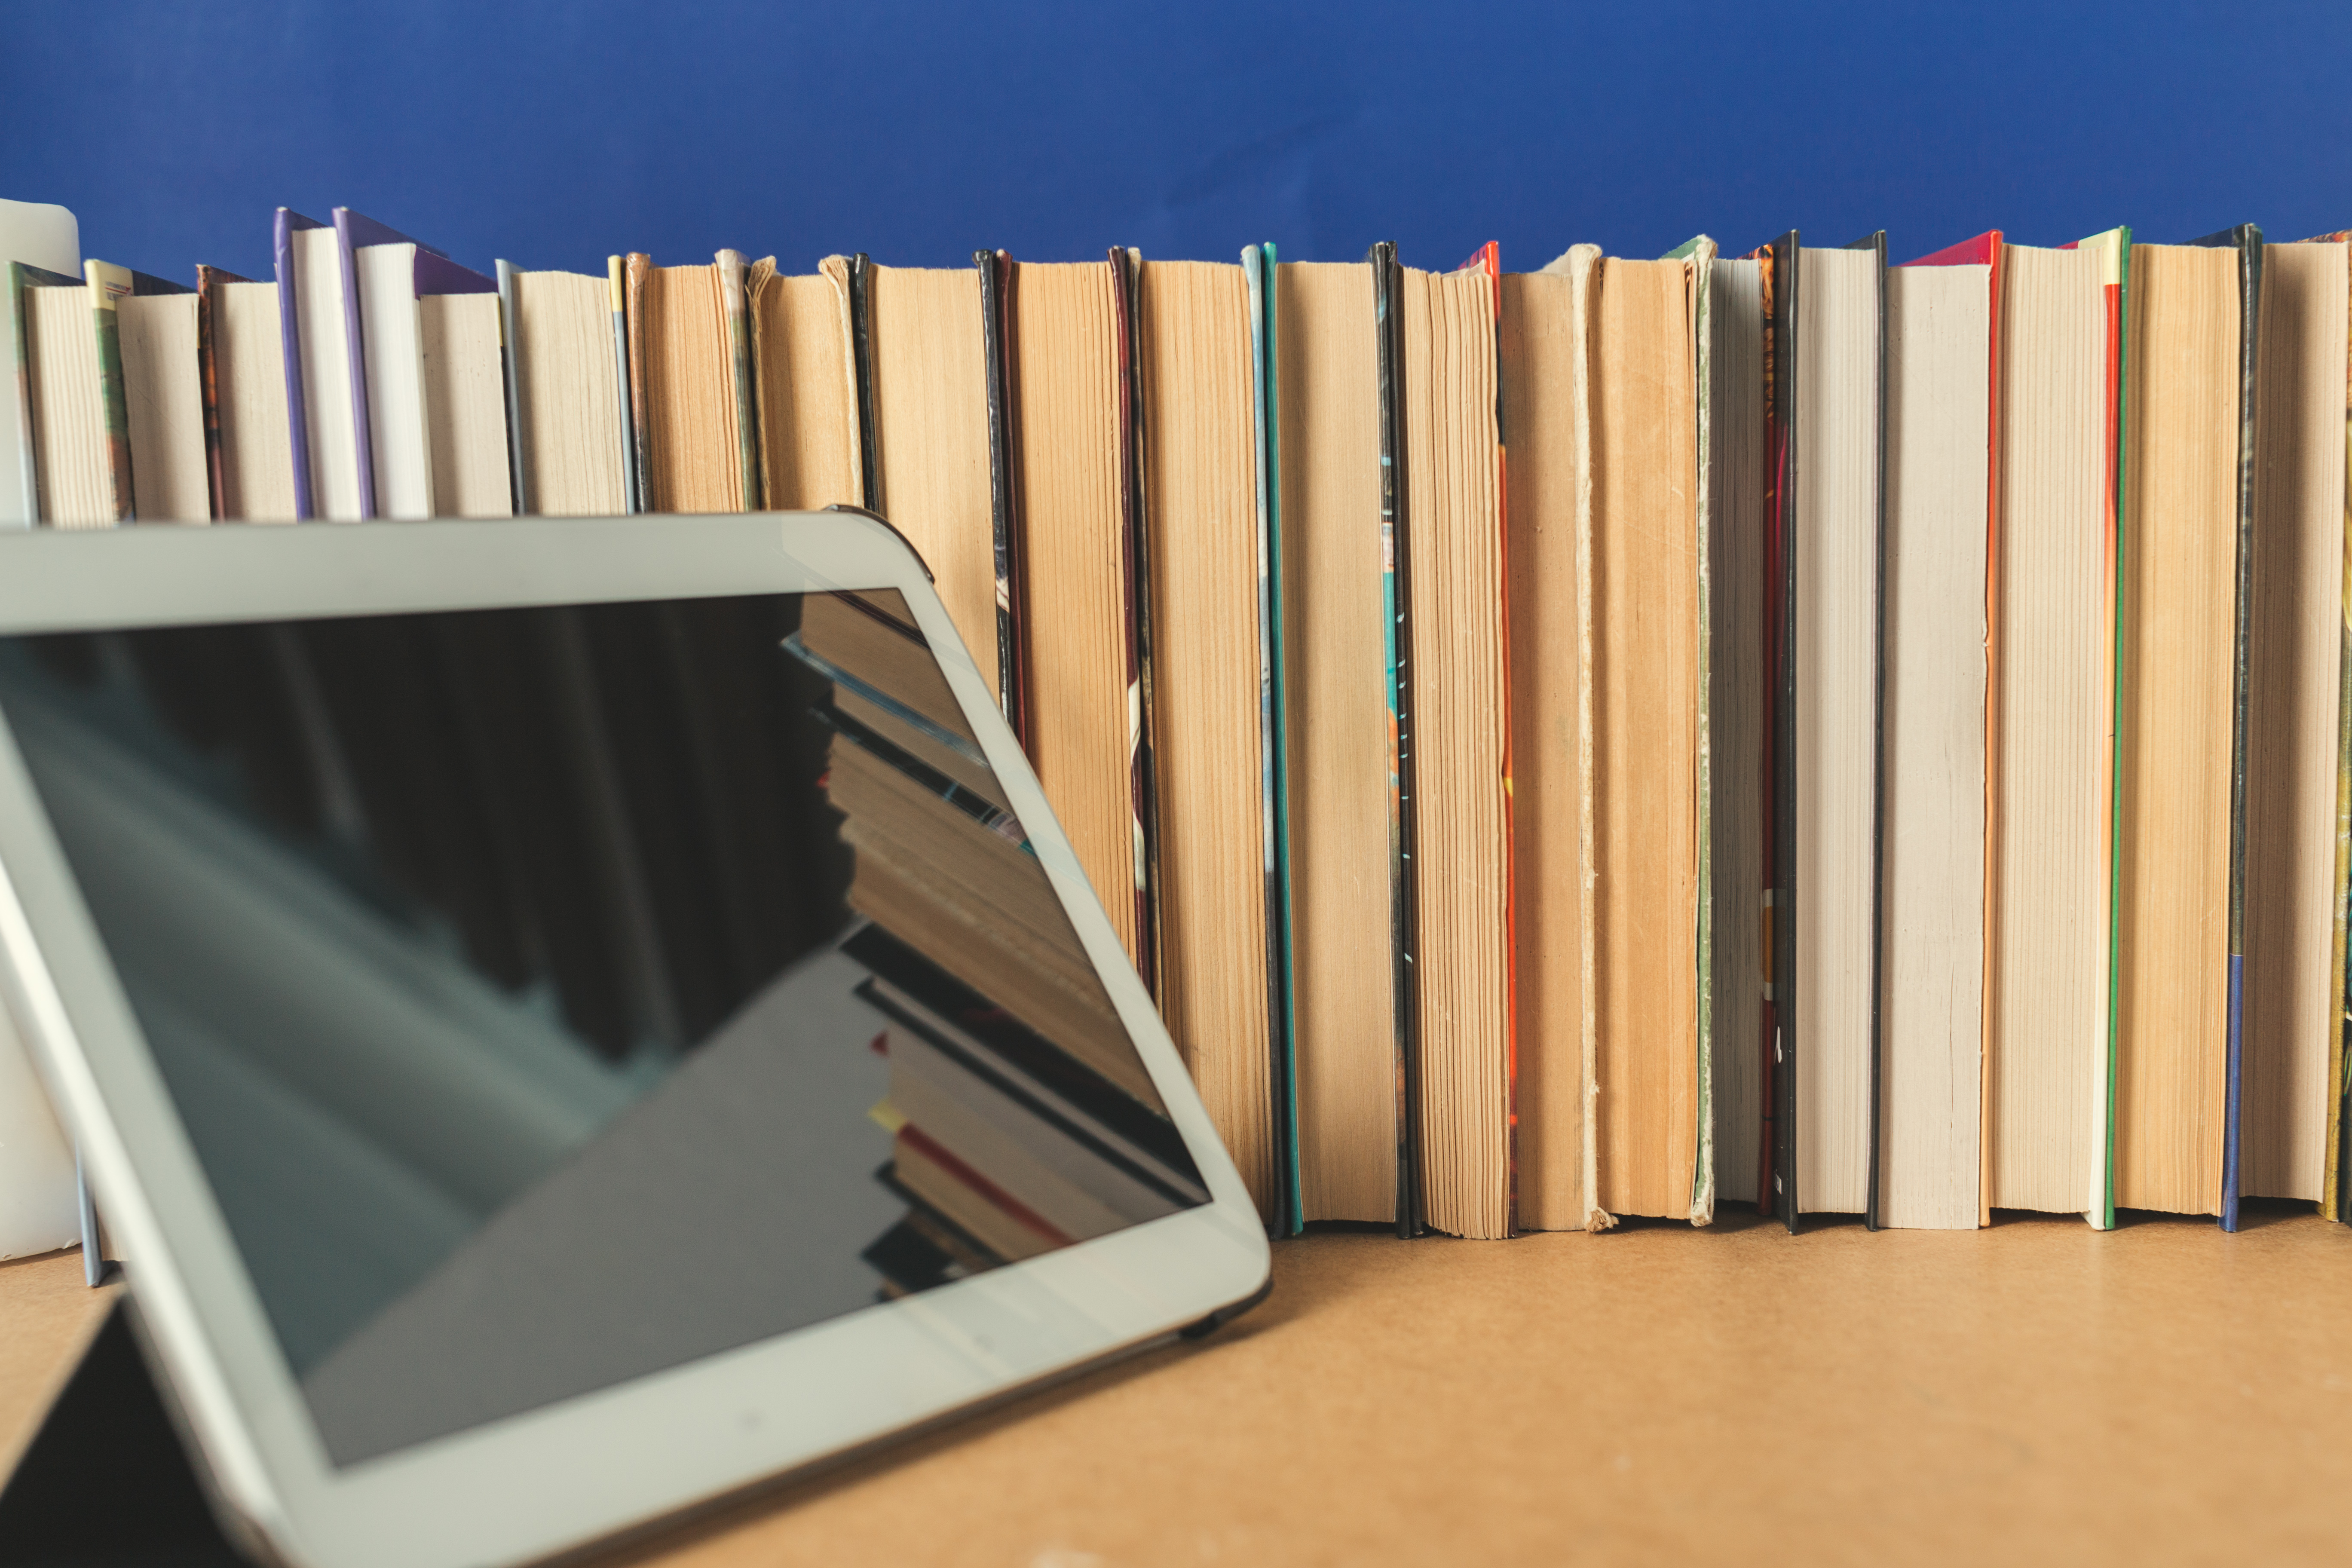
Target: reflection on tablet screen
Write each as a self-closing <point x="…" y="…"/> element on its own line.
<point x="554" y="996"/>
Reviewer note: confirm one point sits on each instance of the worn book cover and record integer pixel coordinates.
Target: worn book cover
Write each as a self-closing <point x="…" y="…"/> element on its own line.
<point x="1697" y="255"/>
<point x="2331" y="1202"/>
<point x="616" y="281"/>
<point x="210" y="281"/>
<point x="2246" y="240"/>
<point x="1258" y="270"/>
<point x="1777" y="1183"/>
<point x="1396" y="599"/>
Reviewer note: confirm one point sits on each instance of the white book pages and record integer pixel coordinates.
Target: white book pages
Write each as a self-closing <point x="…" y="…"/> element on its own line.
<point x="1931" y="933"/>
<point x="163" y="397"/>
<point x="327" y="415"/>
<point x="1836" y="643"/>
<point x="37" y="235"/>
<point x="400" y="443"/>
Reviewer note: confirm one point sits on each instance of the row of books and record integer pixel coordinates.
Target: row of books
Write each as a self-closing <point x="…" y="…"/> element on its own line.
<point x="1591" y="742"/>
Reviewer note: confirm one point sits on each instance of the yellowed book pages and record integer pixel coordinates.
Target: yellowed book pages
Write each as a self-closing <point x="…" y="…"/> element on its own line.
<point x="1201" y="496"/>
<point x="1335" y="651"/>
<point x="807" y="394"/>
<point x="1645" y="682"/>
<point x="1461" y="705"/>
<point x="682" y="389"/>
<point x="1540" y="366"/>
<point x="931" y="417"/>
<point x="2179" y="624"/>
<point x="2291" y="1006"/>
<point x="1066" y="359"/>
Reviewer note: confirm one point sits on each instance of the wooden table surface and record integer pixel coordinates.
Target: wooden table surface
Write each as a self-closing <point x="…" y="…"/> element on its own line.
<point x="2036" y="1392"/>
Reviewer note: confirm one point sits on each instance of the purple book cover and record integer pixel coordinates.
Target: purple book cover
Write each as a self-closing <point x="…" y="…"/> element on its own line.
<point x="289" y="327"/>
<point x="436" y="274"/>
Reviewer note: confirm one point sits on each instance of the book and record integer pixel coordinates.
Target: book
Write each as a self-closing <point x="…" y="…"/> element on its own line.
<point x="73" y="456"/>
<point x="1334" y="652"/>
<point x="321" y="431"/>
<point x="1830" y="620"/>
<point x="2292" y="985"/>
<point x="158" y="325"/>
<point x="2187" y="497"/>
<point x="568" y="390"/>
<point x="1196" y="375"/>
<point x="1734" y="490"/>
<point x="923" y="377"/>
<point x="807" y="387"/>
<point x="1453" y="698"/>
<point x="44" y="236"/>
<point x="1069" y="441"/>
<point x="242" y="370"/>
<point x="1943" y="342"/>
<point x="2050" y="698"/>
<point x="689" y="347"/>
<point x="428" y="334"/>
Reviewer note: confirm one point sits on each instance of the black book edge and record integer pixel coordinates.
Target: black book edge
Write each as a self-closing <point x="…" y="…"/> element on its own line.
<point x="1872" y="1218"/>
<point x="1404" y="889"/>
<point x="1007" y="524"/>
<point x="1135" y="572"/>
<point x="518" y="475"/>
<point x="209" y="280"/>
<point x="861" y="354"/>
<point x="1783" y="1063"/>
<point x="2247" y="240"/>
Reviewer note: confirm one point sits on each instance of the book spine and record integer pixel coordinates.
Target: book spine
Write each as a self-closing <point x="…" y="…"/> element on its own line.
<point x="1135" y="574"/>
<point x="2331" y="1201"/>
<point x="209" y="282"/>
<point x="289" y="329"/>
<point x="2103" y="1147"/>
<point x="1396" y="599"/>
<point x="2250" y="288"/>
<point x="997" y="275"/>
<point x="735" y="306"/>
<point x="1259" y="271"/>
<point x="1699" y="283"/>
<point x="355" y="347"/>
<point x="108" y="286"/>
<point x="861" y="361"/>
<point x="617" y="297"/>
<point x="518" y="475"/>
<point x="1781" y="369"/>
<point x="638" y="281"/>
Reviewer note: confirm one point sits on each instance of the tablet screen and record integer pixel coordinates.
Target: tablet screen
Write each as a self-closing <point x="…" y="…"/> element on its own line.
<point x="552" y="996"/>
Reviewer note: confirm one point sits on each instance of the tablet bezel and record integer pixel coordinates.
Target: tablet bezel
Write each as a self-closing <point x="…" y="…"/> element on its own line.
<point x="560" y="1477"/>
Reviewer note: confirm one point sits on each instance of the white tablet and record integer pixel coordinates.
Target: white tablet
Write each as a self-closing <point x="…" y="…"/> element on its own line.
<point x="569" y="1019"/>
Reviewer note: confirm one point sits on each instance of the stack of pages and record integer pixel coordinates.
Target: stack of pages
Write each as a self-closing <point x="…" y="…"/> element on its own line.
<point x="1608" y="740"/>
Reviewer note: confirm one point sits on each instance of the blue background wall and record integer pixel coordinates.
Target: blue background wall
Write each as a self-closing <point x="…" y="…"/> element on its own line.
<point x="553" y="134"/>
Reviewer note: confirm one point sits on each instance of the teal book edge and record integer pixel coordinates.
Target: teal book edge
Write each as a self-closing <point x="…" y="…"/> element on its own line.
<point x="1258" y="265"/>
